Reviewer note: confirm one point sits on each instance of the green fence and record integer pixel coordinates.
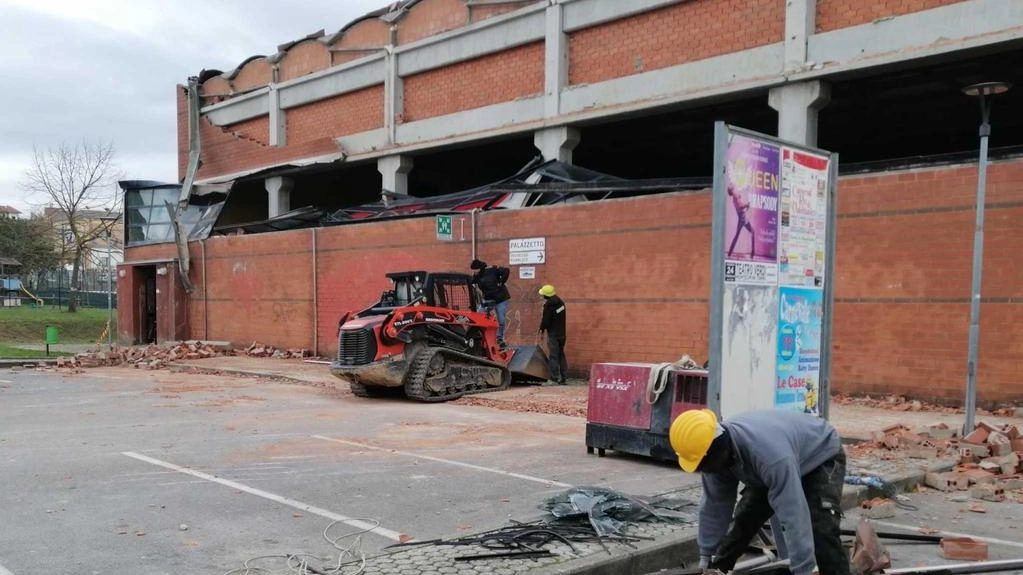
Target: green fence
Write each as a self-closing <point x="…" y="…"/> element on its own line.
<point x="85" y="298"/>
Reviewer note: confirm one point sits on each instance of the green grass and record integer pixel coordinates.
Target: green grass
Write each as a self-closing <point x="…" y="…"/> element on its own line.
<point x="8" y="352"/>
<point x="27" y="324"/>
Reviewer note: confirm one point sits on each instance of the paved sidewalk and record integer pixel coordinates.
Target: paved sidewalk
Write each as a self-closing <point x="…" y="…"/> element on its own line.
<point x="669" y="544"/>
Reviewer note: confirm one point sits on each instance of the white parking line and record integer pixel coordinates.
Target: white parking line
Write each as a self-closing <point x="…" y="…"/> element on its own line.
<point x="4" y="571"/>
<point x="392" y="535"/>
<point x="448" y="461"/>
<point x="954" y="534"/>
<point x="4" y="381"/>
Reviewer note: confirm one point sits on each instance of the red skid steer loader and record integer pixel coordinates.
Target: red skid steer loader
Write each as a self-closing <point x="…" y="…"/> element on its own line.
<point x="426" y="338"/>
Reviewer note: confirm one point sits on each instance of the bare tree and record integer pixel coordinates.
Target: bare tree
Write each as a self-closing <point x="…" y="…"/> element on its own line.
<point x="80" y="180"/>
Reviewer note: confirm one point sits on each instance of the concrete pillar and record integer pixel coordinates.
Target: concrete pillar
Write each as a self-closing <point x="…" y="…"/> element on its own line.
<point x="394" y="96"/>
<point x="278" y="189"/>
<point x="278" y="128"/>
<point x="800" y="24"/>
<point x="797" y="106"/>
<point x="555" y="60"/>
<point x="557" y="143"/>
<point x="395" y="170"/>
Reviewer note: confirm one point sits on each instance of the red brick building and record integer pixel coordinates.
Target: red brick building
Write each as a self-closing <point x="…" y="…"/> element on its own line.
<point x="436" y="96"/>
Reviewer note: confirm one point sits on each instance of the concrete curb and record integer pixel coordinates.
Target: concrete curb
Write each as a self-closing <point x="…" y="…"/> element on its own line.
<point x="23" y="361"/>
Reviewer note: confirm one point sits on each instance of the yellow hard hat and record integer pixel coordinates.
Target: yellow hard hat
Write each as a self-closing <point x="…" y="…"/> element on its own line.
<point x="547" y="290"/>
<point x="691" y="434"/>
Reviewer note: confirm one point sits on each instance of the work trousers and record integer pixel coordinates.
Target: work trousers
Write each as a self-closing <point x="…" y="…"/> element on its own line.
<point x="559" y="365"/>
<point x="823" y="490"/>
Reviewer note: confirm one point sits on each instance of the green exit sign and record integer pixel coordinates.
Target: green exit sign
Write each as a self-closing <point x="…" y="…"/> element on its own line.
<point x="444" y="228"/>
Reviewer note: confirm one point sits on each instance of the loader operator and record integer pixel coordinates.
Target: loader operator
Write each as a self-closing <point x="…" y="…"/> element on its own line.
<point x="491" y="280"/>
<point x="792" y="465"/>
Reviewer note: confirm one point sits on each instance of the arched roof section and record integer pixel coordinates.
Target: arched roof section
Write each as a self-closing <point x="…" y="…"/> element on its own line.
<point x="253" y="73"/>
<point x="360" y="39"/>
<point x="423" y="18"/>
<point x="215" y="89"/>
<point x="304" y="57"/>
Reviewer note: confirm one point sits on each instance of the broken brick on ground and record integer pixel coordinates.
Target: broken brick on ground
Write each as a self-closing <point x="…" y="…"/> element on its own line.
<point x="155" y="356"/>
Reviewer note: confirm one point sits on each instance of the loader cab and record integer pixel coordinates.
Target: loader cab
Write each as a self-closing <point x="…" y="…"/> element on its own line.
<point x="447" y="290"/>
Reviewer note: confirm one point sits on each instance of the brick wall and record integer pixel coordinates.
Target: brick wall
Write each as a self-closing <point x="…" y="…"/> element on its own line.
<point x="676" y="34"/>
<point x="347" y="114"/>
<point x="303" y="58"/>
<point x="835" y="14"/>
<point x="430" y="17"/>
<point x="181" y="103"/>
<point x="490" y="79"/>
<point x="902" y="279"/>
<point x="903" y="283"/>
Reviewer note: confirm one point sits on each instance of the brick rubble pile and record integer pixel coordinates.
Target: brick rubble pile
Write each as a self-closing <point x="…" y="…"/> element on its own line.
<point x="158" y="356"/>
<point x="990" y="458"/>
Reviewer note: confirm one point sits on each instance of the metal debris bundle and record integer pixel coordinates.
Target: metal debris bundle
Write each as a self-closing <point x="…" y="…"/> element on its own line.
<point x="577" y="516"/>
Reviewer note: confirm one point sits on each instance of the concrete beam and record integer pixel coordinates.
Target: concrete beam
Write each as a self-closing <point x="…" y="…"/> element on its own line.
<point x="485" y="37"/>
<point x="336" y="80"/>
<point x="395" y="170"/>
<point x="557" y="143"/>
<point x="728" y="74"/>
<point x="800" y="24"/>
<point x="585" y="13"/>
<point x="245" y="107"/>
<point x="797" y="106"/>
<point x="278" y="190"/>
<point x="555" y="60"/>
<point x="963" y="25"/>
<point x="504" y="118"/>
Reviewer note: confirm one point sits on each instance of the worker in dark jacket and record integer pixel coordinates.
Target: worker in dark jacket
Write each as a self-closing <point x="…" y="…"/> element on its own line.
<point x="491" y="280"/>
<point x="793" y="467"/>
<point x="553" y="322"/>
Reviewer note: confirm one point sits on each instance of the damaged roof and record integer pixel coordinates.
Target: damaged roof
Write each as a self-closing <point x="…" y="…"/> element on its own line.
<point x="537" y="184"/>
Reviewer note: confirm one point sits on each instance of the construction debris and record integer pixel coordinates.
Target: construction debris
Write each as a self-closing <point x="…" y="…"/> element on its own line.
<point x="869" y="555"/>
<point x="963" y="548"/>
<point x="901" y="403"/>
<point x="158" y="356"/>
<point x="877" y="508"/>
<point x="989" y="458"/>
<point x="261" y="350"/>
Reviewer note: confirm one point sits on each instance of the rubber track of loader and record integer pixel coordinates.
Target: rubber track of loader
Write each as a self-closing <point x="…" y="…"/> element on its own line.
<point x="415" y="379"/>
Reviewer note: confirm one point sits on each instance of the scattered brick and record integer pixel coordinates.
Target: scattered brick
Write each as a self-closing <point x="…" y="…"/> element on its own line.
<point x="948" y="481"/>
<point x="988" y="492"/>
<point x="963" y="548"/>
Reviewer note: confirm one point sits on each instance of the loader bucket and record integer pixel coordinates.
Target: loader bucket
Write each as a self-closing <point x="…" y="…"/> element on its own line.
<point x="529" y="363"/>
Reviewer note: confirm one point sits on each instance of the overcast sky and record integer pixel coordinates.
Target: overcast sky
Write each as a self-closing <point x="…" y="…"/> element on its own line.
<point x="106" y="70"/>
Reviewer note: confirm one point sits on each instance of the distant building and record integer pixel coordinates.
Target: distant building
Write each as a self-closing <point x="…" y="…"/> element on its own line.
<point x="9" y="212"/>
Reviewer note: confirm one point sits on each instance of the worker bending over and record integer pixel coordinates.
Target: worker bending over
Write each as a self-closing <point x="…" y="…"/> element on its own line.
<point x="792" y="465"/>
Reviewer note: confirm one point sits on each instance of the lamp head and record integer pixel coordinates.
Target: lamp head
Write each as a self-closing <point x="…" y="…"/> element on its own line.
<point x="987" y="89"/>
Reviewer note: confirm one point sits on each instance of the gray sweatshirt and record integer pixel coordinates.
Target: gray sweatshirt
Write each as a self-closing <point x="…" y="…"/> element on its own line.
<point x="774" y="449"/>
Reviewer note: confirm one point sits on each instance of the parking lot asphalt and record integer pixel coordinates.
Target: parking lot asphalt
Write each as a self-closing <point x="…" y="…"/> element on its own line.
<point x="126" y="471"/>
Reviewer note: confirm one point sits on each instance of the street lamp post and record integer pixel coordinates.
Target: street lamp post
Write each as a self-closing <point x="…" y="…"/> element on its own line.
<point x="110" y="308"/>
<point x="981" y="92"/>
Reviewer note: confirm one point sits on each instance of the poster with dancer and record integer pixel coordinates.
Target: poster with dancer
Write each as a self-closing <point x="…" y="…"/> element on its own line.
<point x="753" y="184"/>
<point x="800" y="322"/>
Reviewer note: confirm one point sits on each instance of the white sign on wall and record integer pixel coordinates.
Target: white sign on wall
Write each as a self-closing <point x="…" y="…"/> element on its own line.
<point x="527" y="251"/>
<point x="527" y="273"/>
